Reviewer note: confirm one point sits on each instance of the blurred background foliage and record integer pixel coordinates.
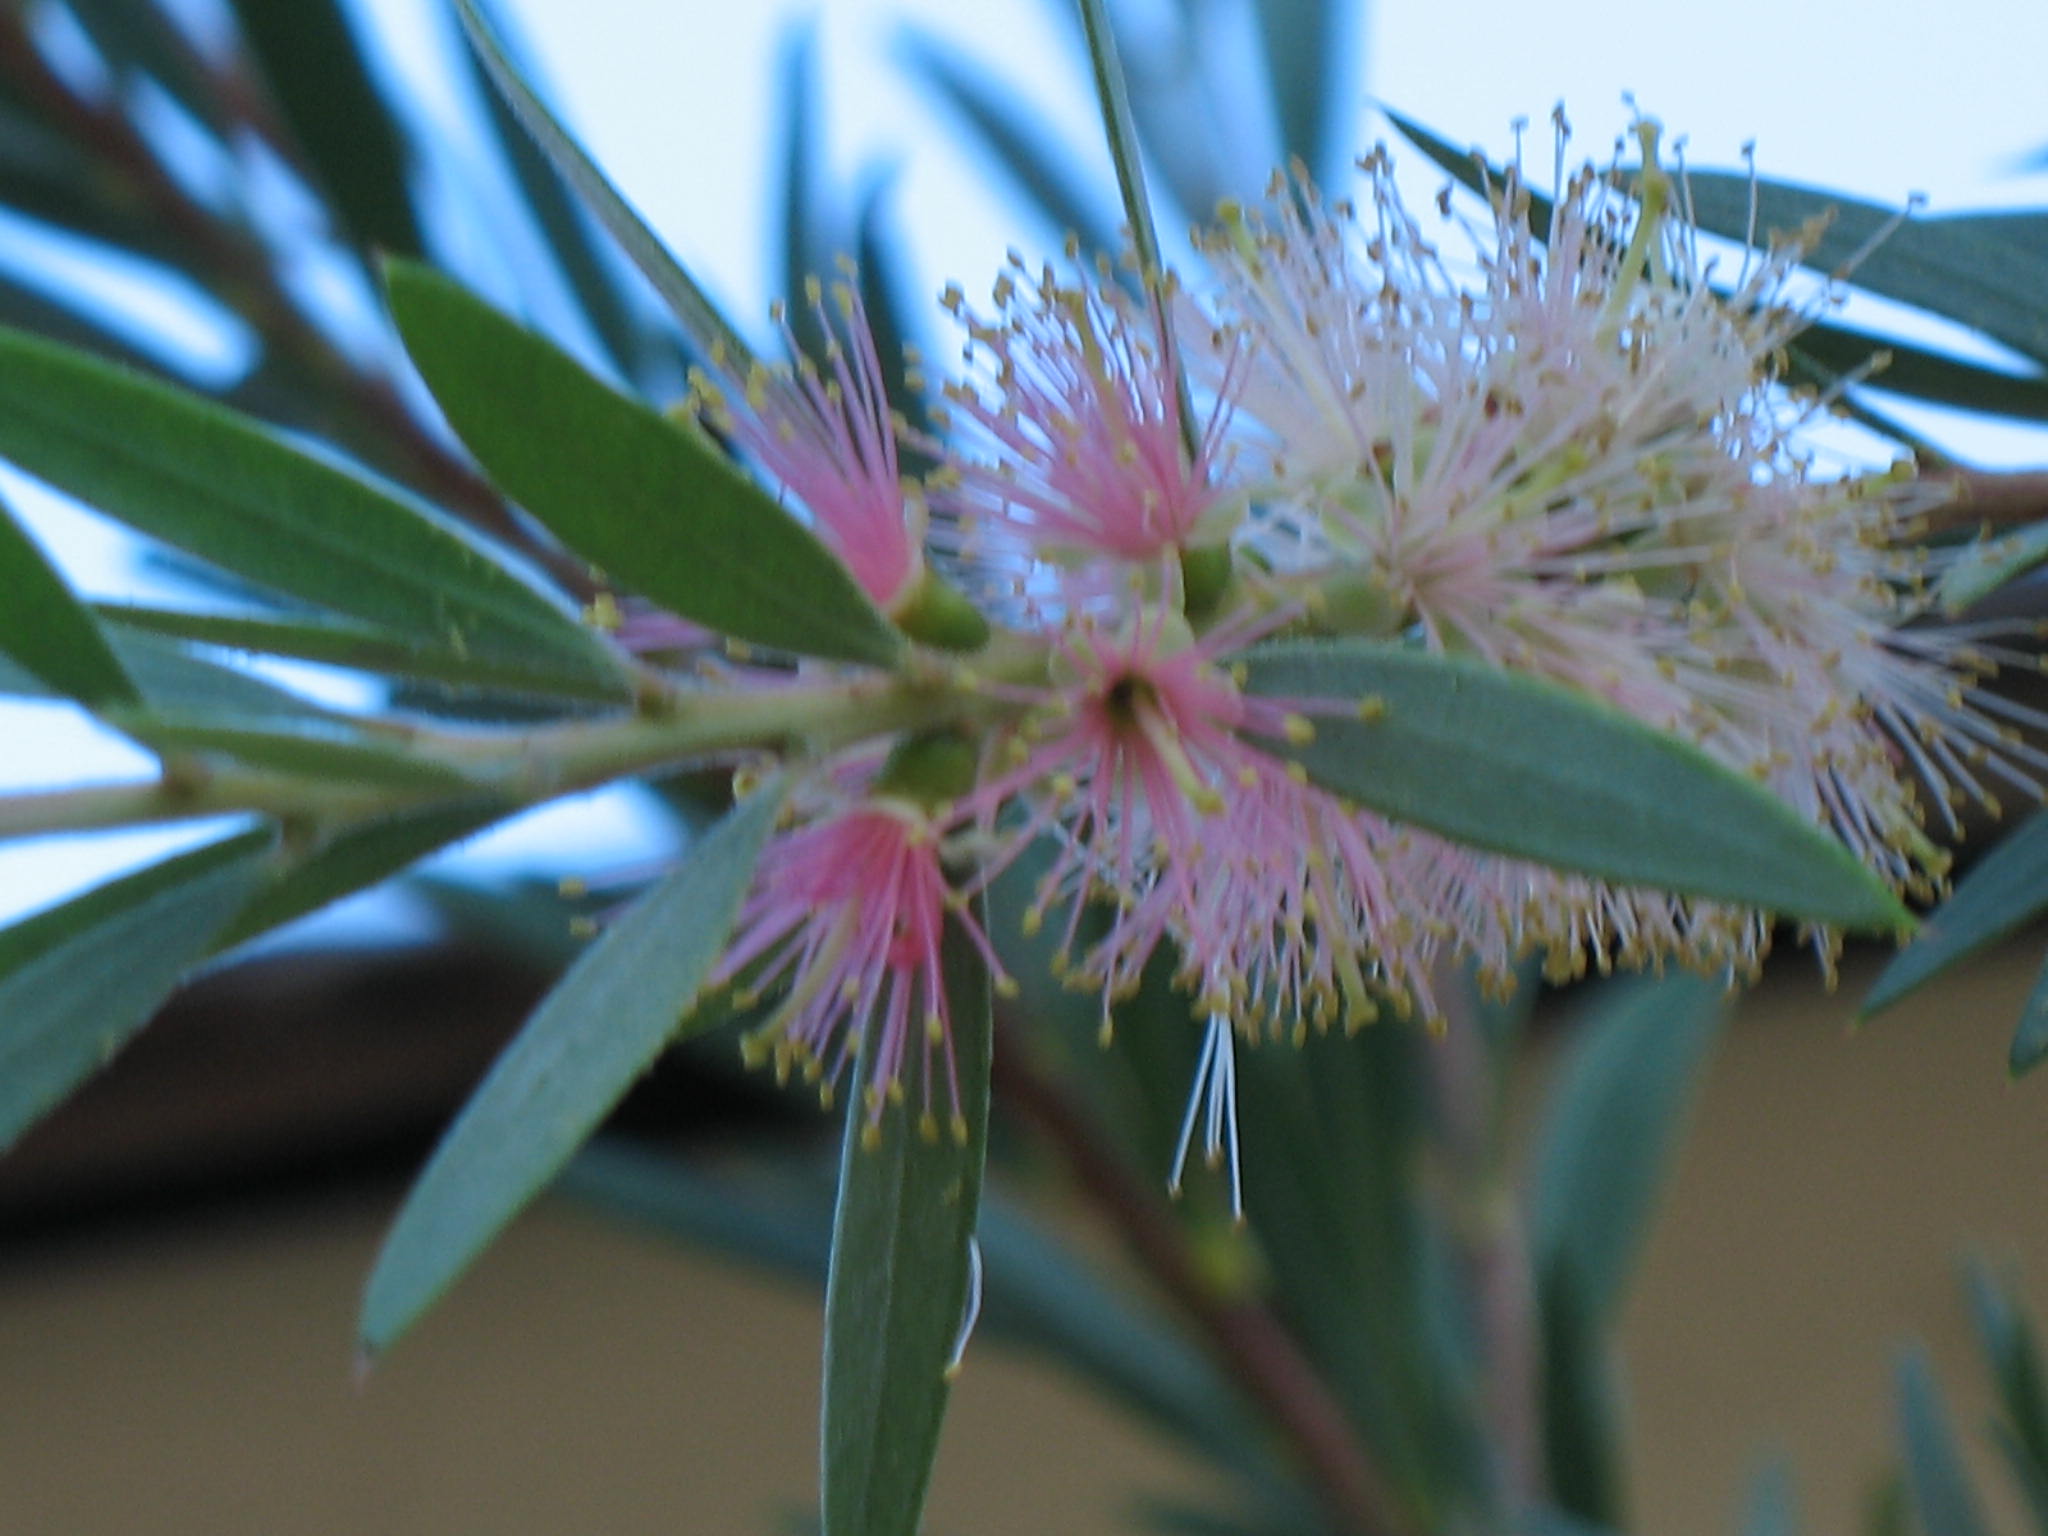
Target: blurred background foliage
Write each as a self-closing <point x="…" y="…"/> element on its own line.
<point x="1413" y="1331"/>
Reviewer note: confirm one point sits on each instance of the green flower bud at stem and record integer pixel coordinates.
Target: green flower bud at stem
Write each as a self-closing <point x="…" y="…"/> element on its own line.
<point x="1357" y="603"/>
<point x="936" y="614"/>
<point x="930" y="769"/>
<point x="1204" y="575"/>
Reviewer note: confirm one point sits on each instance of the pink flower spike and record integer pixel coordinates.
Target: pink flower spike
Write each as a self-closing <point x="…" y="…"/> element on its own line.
<point x="1081" y="425"/>
<point x="846" y="914"/>
<point x="1132" y="763"/>
<point x="829" y="440"/>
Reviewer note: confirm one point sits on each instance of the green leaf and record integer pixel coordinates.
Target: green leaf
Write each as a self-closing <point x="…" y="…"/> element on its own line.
<point x="45" y="629"/>
<point x="700" y="318"/>
<point x="1935" y="1477"/>
<point x="1985" y="271"/>
<point x="1922" y="374"/>
<point x="2006" y="1335"/>
<point x="353" y="141"/>
<point x="1471" y="170"/>
<point x="1773" y="1509"/>
<point x="2030" y="1035"/>
<point x="332" y="749"/>
<point x="78" y="980"/>
<point x="1983" y="568"/>
<point x="1526" y="767"/>
<point x="352" y="860"/>
<point x="2007" y="890"/>
<point x="1610" y="1127"/>
<point x="622" y="1002"/>
<point x="186" y="471"/>
<point x="338" y="643"/>
<point x="1016" y="139"/>
<point x="808" y="236"/>
<point x="897" y="1295"/>
<point x="1312" y="56"/>
<point x="654" y="504"/>
<point x="633" y="346"/>
<point x="1582" y="1418"/>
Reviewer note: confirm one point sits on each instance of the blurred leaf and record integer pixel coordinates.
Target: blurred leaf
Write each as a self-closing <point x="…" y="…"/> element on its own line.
<point x="137" y="36"/>
<point x="881" y="293"/>
<point x="1041" y="167"/>
<point x="622" y="1002"/>
<point x="44" y="628"/>
<point x="2005" y="891"/>
<point x="332" y="749"/>
<point x="171" y="678"/>
<point x="1921" y="374"/>
<point x="1310" y="60"/>
<point x="76" y="981"/>
<point x="1982" y="568"/>
<point x="1611" y="1125"/>
<point x="354" y="859"/>
<point x="1352" y="1244"/>
<point x="809" y="241"/>
<point x="1986" y="271"/>
<point x="1582" y="1419"/>
<point x="655" y="505"/>
<point x="634" y="347"/>
<point x="700" y="318"/>
<point x="898" y="1292"/>
<point x="2030" y="1035"/>
<point x="1773" y="1507"/>
<point x="1942" y="1498"/>
<point x="354" y="143"/>
<point x="183" y="470"/>
<point x="1523" y="766"/>
<point x="337" y="643"/>
<point x="2006" y="1335"/>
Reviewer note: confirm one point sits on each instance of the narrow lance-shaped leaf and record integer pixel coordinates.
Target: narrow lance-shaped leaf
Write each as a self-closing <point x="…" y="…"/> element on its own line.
<point x="354" y="859"/>
<point x="1523" y="766"/>
<point x="1936" y="1478"/>
<point x="2030" y="1035"/>
<point x="700" y="317"/>
<point x="352" y="138"/>
<point x="654" y="504"/>
<point x="47" y="631"/>
<point x="1601" y="1157"/>
<point x="78" y="980"/>
<point x="1773" y="1508"/>
<point x="596" y="1033"/>
<point x="586" y="259"/>
<point x="197" y="476"/>
<point x="1016" y="141"/>
<point x="2006" y="1334"/>
<point x="1609" y="1129"/>
<point x="1999" y="897"/>
<point x="336" y="643"/>
<point x="1988" y="272"/>
<point x="898" y="1291"/>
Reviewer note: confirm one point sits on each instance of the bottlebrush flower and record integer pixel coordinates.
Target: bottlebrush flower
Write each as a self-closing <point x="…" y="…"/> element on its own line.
<point x="1583" y="466"/>
<point x="845" y="919"/>
<point x="828" y="438"/>
<point x="1074" y="457"/>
